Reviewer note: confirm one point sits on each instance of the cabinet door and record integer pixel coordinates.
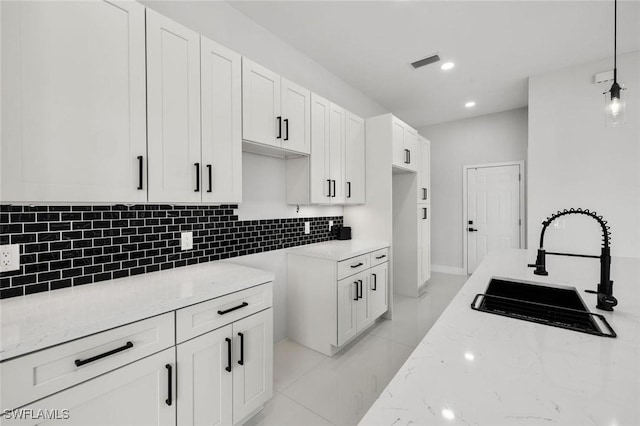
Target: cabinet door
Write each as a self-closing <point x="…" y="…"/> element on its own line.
<point x="73" y="102"/>
<point x="173" y="110"/>
<point x="354" y="159"/>
<point x="136" y="394"/>
<point x="205" y="383"/>
<point x="221" y="80"/>
<point x="424" y="244"/>
<point x="424" y="171"/>
<point x="378" y="289"/>
<point x="348" y="290"/>
<point x="336" y="153"/>
<point x="320" y="159"/>
<point x="363" y="309"/>
<point x="411" y="145"/>
<point x="252" y="363"/>
<point x="296" y="116"/>
<point x="261" y="119"/>
<point x="397" y="144"/>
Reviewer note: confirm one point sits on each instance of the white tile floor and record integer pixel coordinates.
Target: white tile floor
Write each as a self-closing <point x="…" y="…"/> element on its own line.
<point x="313" y="389"/>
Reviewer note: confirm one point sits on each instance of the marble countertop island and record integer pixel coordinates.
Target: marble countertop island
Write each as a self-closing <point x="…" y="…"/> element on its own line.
<point x="37" y="321"/>
<point x="475" y="368"/>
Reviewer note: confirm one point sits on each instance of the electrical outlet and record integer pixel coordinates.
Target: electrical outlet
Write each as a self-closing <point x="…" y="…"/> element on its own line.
<point x="307" y="227"/>
<point x="330" y="224"/>
<point x="186" y="240"/>
<point x="9" y="257"/>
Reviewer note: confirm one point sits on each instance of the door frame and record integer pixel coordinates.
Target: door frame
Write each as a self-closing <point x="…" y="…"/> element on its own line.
<point x="523" y="212"/>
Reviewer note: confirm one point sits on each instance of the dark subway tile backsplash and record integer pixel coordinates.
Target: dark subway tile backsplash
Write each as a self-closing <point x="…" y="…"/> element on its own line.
<point x="63" y="246"/>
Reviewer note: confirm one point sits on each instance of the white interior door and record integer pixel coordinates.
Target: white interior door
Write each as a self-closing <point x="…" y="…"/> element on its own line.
<point x="493" y="211"/>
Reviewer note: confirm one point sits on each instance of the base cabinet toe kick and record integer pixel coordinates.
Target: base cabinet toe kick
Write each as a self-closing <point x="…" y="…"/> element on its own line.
<point x="208" y="363"/>
<point x="330" y="302"/>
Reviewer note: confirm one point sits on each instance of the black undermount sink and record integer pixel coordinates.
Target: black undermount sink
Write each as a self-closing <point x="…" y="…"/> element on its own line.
<point x="555" y="306"/>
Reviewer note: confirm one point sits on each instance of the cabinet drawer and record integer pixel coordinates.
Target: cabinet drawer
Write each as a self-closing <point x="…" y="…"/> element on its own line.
<point x="380" y="256"/>
<point x="353" y="266"/>
<point x="203" y="317"/>
<point x="42" y="373"/>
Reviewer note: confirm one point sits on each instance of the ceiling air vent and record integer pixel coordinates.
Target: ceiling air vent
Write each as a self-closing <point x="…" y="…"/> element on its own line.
<point x="426" y="61"/>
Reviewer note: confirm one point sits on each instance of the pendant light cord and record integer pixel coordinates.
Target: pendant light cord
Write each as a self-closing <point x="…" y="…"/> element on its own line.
<point x="615" y="40"/>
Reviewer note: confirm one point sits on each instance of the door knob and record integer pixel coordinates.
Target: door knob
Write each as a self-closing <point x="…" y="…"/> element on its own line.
<point x="473" y="230"/>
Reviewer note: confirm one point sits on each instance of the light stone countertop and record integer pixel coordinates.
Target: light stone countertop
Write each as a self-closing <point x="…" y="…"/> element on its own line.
<point x="475" y="368"/>
<point x="37" y="321"/>
<point x="339" y="250"/>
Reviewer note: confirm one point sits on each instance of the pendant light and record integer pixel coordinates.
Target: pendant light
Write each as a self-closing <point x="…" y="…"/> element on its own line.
<point x="614" y="104"/>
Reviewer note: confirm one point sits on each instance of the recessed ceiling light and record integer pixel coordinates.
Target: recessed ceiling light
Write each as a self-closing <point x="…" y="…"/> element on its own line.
<point x="447" y="66"/>
<point x="470" y="104"/>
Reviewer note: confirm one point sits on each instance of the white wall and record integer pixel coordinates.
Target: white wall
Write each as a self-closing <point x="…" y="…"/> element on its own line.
<point x="492" y="138"/>
<point x="575" y="161"/>
<point x="263" y="186"/>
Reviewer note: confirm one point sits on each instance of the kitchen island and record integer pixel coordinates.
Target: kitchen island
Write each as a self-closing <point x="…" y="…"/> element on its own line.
<point x="476" y="368"/>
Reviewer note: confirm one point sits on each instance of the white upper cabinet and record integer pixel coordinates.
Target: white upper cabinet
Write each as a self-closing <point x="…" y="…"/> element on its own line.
<point x="320" y="179"/>
<point x="261" y="119"/>
<point x="73" y="102"/>
<point x="354" y="159"/>
<point x="424" y="171"/>
<point x="195" y="133"/>
<point x="334" y="173"/>
<point x="221" y="97"/>
<point x="296" y="117"/>
<point x="173" y="109"/>
<point x="275" y="111"/>
<point x="337" y="117"/>
<point x="404" y="145"/>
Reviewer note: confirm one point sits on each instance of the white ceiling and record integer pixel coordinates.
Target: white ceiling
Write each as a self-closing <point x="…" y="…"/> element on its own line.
<point x="495" y="45"/>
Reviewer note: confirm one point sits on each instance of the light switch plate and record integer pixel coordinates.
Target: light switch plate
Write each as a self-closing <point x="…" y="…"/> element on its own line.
<point x="186" y="240"/>
<point x="307" y="227"/>
<point x="9" y="257"/>
<point x="330" y="224"/>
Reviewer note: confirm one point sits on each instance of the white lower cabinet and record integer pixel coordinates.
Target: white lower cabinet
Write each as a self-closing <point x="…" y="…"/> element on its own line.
<point x="135" y="374"/>
<point x="226" y="375"/>
<point x="141" y="394"/>
<point x="330" y="302"/>
<point x="378" y="284"/>
<point x="354" y="312"/>
<point x="252" y="365"/>
<point x="205" y="384"/>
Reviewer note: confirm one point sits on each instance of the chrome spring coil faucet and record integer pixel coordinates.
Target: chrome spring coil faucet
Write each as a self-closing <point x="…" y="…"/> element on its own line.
<point x="606" y="301"/>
